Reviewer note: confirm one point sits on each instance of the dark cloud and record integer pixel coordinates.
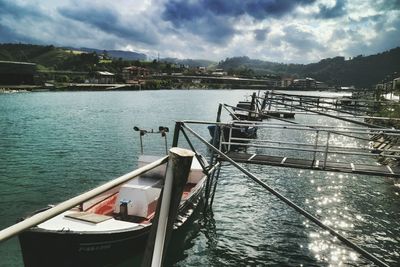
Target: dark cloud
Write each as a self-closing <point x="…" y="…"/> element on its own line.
<point x="301" y="40"/>
<point x="261" y="34"/>
<point x="107" y="20"/>
<point x="209" y="17"/>
<point x="388" y="38"/>
<point x="8" y="8"/>
<point x="338" y="10"/>
<point x="388" y="5"/>
<point x="18" y="14"/>
<point x="8" y="35"/>
<point x="177" y="11"/>
<point x="214" y="29"/>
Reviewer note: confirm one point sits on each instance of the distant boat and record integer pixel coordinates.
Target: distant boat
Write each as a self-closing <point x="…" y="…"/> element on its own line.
<point x="243" y="111"/>
<point x="109" y="228"/>
<point x="248" y="132"/>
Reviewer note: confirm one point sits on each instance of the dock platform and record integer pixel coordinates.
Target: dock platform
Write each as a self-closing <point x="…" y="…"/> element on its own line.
<point x="378" y="170"/>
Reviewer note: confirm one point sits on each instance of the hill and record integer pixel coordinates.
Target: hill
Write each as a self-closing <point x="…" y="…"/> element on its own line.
<point x="126" y="55"/>
<point x="192" y="63"/>
<point x="47" y="56"/>
<point x="360" y="71"/>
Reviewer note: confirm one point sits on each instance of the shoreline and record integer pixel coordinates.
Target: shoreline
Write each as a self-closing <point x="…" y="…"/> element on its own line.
<point x="4" y="89"/>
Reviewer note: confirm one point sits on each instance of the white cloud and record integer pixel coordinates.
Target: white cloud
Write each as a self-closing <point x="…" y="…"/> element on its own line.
<point x="294" y="35"/>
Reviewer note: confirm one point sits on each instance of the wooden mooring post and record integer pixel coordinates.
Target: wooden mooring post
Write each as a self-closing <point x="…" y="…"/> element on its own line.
<point x="178" y="169"/>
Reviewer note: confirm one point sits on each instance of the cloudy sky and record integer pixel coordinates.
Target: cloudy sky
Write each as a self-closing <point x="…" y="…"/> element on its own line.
<point x="298" y="31"/>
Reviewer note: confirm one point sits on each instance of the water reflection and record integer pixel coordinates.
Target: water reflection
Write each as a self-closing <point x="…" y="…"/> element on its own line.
<point x="330" y="209"/>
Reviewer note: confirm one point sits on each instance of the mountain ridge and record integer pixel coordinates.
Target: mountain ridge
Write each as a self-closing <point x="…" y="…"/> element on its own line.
<point x="359" y="71"/>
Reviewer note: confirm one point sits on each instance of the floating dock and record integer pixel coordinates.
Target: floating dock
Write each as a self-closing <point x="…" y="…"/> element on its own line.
<point x="366" y="169"/>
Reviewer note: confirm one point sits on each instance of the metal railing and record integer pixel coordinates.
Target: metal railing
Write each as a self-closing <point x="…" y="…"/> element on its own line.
<point x="73" y="202"/>
<point x="284" y="199"/>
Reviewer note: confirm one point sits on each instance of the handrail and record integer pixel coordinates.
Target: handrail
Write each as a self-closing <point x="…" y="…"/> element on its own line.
<point x="325" y="151"/>
<point x="68" y="204"/>
<point x="261" y="141"/>
<point x="315" y="127"/>
<point x="300" y="210"/>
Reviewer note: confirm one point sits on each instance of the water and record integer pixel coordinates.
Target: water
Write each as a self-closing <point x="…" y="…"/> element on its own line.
<point x="56" y="145"/>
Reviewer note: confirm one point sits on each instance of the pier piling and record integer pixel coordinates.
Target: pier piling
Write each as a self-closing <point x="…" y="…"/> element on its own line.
<point x="176" y="176"/>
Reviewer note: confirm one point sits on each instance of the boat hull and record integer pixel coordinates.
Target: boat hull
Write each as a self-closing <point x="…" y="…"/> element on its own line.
<point x="46" y="248"/>
<point x="65" y="248"/>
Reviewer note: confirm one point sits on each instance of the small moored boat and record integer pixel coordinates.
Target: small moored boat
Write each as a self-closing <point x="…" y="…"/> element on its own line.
<point x="110" y="227"/>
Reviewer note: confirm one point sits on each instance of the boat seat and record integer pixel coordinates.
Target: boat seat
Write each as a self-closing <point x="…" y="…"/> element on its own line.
<point x="141" y="195"/>
<point x="88" y="217"/>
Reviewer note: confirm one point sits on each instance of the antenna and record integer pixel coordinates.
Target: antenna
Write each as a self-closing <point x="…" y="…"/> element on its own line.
<point x="161" y="129"/>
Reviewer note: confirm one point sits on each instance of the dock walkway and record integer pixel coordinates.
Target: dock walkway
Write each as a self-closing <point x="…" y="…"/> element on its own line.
<point x="378" y="170"/>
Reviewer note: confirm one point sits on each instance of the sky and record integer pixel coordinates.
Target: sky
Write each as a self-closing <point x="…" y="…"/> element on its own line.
<point x="289" y="31"/>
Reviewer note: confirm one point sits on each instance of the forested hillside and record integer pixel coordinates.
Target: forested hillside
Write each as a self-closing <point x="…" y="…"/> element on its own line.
<point x="360" y="71"/>
<point x="55" y="58"/>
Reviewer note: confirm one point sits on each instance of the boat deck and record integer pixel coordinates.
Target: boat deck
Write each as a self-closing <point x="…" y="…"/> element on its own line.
<point x="378" y="170"/>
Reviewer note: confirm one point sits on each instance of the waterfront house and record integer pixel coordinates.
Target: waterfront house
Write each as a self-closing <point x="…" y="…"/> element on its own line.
<point x="219" y="72"/>
<point x="286" y="82"/>
<point x="133" y="73"/>
<point x="103" y="77"/>
<point x="304" y="83"/>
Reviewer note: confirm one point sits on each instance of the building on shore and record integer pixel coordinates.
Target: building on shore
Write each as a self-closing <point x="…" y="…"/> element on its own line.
<point x="219" y="72"/>
<point x="103" y="77"/>
<point x="304" y="83"/>
<point x="286" y="82"/>
<point x="17" y="73"/>
<point x="133" y="74"/>
<point x="389" y="84"/>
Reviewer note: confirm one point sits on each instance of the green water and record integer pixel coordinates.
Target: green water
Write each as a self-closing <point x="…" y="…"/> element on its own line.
<point x="56" y="145"/>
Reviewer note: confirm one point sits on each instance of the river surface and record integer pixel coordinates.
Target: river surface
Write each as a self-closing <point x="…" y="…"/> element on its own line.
<point x="54" y="146"/>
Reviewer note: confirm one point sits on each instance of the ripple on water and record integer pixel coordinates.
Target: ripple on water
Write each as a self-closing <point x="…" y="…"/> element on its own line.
<point x="56" y="145"/>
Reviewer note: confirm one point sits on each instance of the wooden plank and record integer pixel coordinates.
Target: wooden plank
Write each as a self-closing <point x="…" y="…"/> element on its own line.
<point x="369" y="168"/>
<point x="299" y="162"/>
<point x="274" y="160"/>
<point x="338" y="166"/>
<point x="88" y="217"/>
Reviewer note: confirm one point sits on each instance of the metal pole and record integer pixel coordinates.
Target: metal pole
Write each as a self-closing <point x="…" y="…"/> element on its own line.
<point x="315" y="145"/>
<point x="215" y="186"/>
<point x="326" y="149"/>
<point x="66" y="205"/>
<point x="141" y="142"/>
<point x="230" y="136"/>
<point x="178" y="169"/>
<point x="166" y="144"/>
<point x="339" y="117"/>
<point x="270" y="102"/>
<point x="252" y="105"/>
<point x="219" y="112"/>
<point x="230" y="112"/>
<point x="264" y="101"/>
<point x="291" y="204"/>
<point x="175" y="140"/>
